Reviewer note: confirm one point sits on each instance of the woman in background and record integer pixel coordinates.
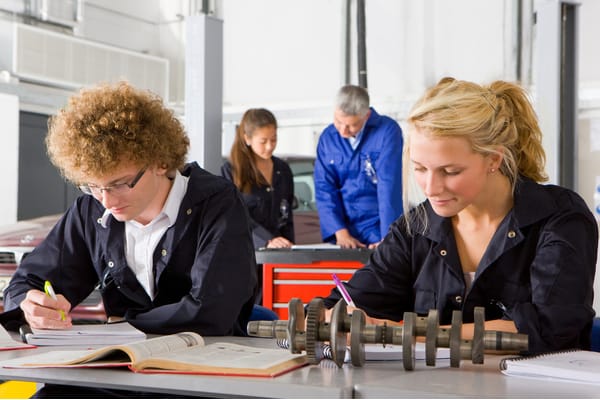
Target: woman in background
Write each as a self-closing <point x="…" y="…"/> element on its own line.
<point x="265" y="181"/>
<point x="489" y="234"/>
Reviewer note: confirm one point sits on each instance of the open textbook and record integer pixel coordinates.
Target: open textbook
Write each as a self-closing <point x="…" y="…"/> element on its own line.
<point x="571" y="365"/>
<point x="84" y="335"/>
<point x="182" y="353"/>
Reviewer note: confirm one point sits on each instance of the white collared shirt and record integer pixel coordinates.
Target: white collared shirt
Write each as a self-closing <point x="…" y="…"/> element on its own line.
<point x="469" y="278"/>
<point x="141" y="240"/>
<point x="355" y="140"/>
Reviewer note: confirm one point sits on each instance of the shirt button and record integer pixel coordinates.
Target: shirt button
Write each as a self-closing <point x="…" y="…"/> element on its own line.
<point x="163" y="252"/>
<point x="111" y="264"/>
<point x="331" y="162"/>
<point x="443" y="253"/>
<point x="268" y="189"/>
<point x="511" y="234"/>
<point x="458" y="299"/>
<point x="188" y="211"/>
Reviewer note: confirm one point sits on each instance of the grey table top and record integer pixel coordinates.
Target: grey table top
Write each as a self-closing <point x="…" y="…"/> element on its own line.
<point x="374" y="380"/>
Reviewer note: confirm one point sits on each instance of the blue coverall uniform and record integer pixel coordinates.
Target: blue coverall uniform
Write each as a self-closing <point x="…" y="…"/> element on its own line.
<point x="361" y="189"/>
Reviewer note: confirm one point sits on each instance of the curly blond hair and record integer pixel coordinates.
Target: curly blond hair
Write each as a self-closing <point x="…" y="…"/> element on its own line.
<point x="102" y="127"/>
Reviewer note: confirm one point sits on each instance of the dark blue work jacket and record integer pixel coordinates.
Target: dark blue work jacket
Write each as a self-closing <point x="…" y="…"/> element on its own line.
<point x="204" y="265"/>
<point x="360" y="190"/>
<point x="270" y="207"/>
<point x="539" y="267"/>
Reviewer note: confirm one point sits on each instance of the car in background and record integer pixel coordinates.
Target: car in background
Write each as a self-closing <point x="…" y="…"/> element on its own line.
<point x="17" y="241"/>
<point x="306" y="218"/>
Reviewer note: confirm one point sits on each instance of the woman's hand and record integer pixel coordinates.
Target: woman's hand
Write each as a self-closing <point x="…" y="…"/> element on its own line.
<point x="492" y="325"/>
<point x="279" y="242"/>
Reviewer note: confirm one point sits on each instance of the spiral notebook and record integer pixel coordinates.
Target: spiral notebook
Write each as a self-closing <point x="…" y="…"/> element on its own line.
<point x="570" y="365"/>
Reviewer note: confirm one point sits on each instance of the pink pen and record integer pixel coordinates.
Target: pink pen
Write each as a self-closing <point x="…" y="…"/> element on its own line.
<point x="340" y="285"/>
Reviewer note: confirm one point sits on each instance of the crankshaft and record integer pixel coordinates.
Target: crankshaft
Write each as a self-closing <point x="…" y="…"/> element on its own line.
<point x="312" y="335"/>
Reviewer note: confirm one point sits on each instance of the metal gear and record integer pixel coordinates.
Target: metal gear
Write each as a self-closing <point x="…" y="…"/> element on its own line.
<point x="295" y="327"/>
<point x="357" y="347"/>
<point x="477" y="345"/>
<point x="315" y="316"/>
<point x="431" y="332"/>
<point x="455" y="338"/>
<point x="409" y="340"/>
<point x="338" y="338"/>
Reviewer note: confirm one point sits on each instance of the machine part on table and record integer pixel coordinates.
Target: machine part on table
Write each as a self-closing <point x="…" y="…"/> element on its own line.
<point x="313" y="335"/>
<point x="357" y="345"/>
<point x="409" y="339"/>
<point x="431" y="332"/>
<point x="291" y="330"/>
<point x="455" y="338"/>
<point x="315" y="318"/>
<point x="295" y="326"/>
<point x="339" y="326"/>
<point x="318" y="331"/>
<point x="477" y="347"/>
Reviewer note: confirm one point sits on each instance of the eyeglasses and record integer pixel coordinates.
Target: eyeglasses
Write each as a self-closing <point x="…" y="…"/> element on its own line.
<point x="116" y="190"/>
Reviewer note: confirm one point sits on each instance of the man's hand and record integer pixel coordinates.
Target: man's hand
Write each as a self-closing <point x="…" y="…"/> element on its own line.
<point x="43" y="312"/>
<point x="279" y="242"/>
<point x="347" y="241"/>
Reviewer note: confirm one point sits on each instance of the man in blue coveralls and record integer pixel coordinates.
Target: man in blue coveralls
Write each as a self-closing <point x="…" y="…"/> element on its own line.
<point x="358" y="172"/>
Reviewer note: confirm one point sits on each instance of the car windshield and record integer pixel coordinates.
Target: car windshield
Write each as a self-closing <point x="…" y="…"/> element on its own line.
<point x="304" y="185"/>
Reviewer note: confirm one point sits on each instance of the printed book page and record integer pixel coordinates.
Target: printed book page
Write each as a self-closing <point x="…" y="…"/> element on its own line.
<point x="67" y="359"/>
<point x="180" y="353"/>
<point x="116" y="355"/>
<point x="164" y="345"/>
<point x="226" y="359"/>
<point x="155" y="347"/>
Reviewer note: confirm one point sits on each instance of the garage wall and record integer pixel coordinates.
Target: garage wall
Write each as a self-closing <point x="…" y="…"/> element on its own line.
<point x="9" y="150"/>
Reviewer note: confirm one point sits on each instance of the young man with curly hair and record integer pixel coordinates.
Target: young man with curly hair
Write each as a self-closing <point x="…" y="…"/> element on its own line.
<point x="167" y="242"/>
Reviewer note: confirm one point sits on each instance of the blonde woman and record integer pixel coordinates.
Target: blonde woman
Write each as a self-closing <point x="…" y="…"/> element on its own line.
<point x="489" y="233"/>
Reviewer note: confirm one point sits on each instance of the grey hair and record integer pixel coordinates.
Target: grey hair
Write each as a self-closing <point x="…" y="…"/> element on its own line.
<point x="352" y="100"/>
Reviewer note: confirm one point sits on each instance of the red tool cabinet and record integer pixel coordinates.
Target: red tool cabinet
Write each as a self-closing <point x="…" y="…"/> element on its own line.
<point x="304" y="273"/>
